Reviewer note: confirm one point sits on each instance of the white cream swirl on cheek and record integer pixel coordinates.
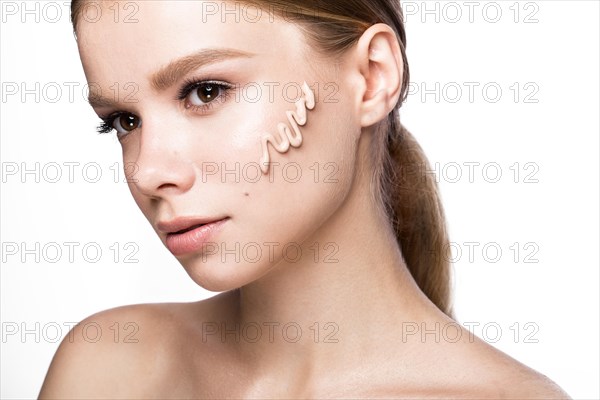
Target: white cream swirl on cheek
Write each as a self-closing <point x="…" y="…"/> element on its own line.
<point x="288" y="137"/>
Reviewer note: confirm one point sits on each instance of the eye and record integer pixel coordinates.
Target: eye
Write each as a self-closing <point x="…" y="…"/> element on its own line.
<point x="199" y="95"/>
<point x="203" y="94"/>
<point x="123" y="123"/>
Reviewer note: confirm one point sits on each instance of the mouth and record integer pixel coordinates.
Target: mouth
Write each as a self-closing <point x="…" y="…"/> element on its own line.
<point x="182" y="225"/>
<point x="190" y="235"/>
<point x="188" y="229"/>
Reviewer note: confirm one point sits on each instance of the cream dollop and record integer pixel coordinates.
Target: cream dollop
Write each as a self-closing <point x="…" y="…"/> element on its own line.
<point x="288" y="137"/>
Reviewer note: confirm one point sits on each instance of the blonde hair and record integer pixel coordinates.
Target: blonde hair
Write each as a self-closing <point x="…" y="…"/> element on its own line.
<point x="402" y="187"/>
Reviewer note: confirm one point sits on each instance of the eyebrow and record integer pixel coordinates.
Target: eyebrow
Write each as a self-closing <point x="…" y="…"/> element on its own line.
<point x="170" y="74"/>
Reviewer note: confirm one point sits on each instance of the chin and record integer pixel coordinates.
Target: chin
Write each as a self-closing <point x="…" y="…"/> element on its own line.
<point x="222" y="277"/>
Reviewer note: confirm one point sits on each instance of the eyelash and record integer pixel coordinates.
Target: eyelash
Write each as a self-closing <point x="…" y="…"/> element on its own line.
<point x="225" y="89"/>
<point x="106" y="126"/>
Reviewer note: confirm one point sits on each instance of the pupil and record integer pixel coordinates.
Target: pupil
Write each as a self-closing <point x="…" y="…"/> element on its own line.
<point x="129" y="122"/>
<point x="207" y="93"/>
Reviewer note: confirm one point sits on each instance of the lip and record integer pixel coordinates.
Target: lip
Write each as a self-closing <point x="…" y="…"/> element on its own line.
<point x="189" y="234"/>
<point x="182" y="223"/>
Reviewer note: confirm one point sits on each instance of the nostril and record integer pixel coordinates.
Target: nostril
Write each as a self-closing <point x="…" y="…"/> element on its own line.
<point x="167" y="185"/>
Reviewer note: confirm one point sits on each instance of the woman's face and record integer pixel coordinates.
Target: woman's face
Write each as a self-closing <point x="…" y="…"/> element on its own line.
<point x="193" y="151"/>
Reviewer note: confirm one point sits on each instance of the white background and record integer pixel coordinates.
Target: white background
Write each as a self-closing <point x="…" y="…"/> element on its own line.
<point x="550" y="128"/>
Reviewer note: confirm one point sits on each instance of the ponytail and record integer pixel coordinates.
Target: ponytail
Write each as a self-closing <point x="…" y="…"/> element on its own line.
<point x="413" y="204"/>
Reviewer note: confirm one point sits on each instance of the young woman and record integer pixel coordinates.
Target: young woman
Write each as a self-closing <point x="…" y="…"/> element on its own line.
<point x="266" y="152"/>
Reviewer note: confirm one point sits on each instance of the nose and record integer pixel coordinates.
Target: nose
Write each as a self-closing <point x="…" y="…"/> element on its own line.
<point x="161" y="166"/>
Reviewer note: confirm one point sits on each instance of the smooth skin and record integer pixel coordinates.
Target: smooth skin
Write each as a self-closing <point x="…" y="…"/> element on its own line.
<point x="363" y="304"/>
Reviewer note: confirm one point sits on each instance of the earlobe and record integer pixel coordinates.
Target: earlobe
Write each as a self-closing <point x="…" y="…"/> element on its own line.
<point x="374" y="108"/>
<point x="380" y="64"/>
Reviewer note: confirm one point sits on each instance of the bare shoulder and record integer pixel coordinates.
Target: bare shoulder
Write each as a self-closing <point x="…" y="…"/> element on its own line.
<point x="470" y="368"/>
<point x="124" y="352"/>
<point x="498" y="375"/>
<point x="475" y="371"/>
<point x="537" y="386"/>
<point x="522" y="382"/>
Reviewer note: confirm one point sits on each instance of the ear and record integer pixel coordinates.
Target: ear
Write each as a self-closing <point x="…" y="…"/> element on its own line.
<point x="380" y="65"/>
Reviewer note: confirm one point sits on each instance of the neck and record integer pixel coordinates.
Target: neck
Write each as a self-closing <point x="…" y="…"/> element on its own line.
<point x="351" y="285"/>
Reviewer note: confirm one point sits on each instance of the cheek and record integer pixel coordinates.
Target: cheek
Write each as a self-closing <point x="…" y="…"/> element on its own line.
<point x="304" y="185"/>
<point x="142" y="201"/>
<point x="130" y="170"/>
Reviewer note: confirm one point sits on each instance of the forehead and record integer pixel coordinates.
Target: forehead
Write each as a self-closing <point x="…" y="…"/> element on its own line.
<point x="121" y="39"/>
